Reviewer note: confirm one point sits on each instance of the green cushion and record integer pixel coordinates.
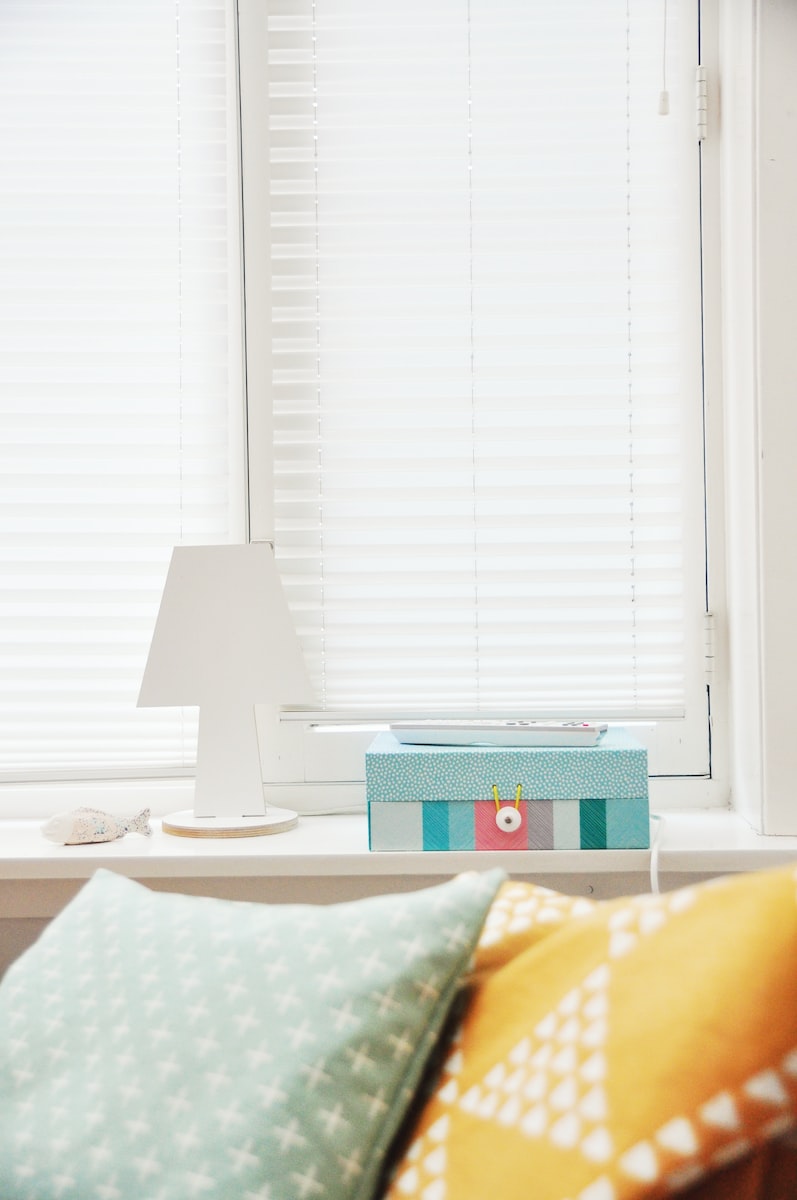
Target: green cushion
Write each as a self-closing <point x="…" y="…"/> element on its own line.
<point x="167" y="1047"/>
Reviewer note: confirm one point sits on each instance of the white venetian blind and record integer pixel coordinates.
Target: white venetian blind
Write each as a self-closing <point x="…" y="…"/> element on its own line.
<point x="118" y="361"/>
<point x="486" y="331"/>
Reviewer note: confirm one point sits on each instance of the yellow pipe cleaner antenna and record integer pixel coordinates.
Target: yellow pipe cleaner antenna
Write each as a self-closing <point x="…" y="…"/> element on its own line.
<point x="497" y="797"/>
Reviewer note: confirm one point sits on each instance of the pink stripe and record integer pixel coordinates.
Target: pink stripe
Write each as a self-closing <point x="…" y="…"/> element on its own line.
<point x="490" y="837"/>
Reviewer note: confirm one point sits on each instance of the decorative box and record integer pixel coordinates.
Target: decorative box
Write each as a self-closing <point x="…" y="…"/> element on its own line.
<point x="508" y="798"/>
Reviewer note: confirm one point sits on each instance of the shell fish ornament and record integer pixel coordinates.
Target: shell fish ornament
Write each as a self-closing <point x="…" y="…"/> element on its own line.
<point x="83" y="825"/>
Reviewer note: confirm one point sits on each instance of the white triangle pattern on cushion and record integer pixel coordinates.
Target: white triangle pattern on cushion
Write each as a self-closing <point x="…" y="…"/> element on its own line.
<point x="517" y="909"/>
<point x="552" y="1083"/>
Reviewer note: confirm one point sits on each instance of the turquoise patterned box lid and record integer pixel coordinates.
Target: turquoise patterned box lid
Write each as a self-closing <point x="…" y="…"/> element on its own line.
<point x="615" y="768"/>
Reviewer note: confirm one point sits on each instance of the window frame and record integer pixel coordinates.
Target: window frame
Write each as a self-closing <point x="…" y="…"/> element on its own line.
<point x="749" y="258"/>
<point x="758" y="261"/>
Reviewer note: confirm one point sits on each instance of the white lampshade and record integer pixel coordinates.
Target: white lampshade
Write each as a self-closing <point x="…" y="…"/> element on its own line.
<point x="224" y="640"/>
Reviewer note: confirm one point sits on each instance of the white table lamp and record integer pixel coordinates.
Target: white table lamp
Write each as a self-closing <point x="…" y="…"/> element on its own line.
<point x="224" y="640"/>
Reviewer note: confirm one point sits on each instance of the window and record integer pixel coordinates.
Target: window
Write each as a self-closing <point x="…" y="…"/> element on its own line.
<point x="486" y="361"/>
<point x="473" y="413"/>
<point x="120" y="371"/>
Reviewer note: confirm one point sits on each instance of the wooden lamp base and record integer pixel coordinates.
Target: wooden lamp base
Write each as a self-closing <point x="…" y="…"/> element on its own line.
<point x="185" y="824"/>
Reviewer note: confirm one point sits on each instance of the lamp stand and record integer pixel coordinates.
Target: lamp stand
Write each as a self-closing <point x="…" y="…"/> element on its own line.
<point x="228" y="794"/>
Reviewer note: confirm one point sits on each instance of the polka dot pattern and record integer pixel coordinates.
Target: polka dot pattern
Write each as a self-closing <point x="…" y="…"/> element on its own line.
<point x="398" y="773"/>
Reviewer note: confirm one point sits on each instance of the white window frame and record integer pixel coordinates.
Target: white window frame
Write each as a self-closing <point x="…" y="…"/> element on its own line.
<point x="758" y="44"/>
<point x="307" y="759"/>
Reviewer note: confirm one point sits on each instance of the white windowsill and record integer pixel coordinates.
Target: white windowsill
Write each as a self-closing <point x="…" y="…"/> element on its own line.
<point x="336" y="848"/>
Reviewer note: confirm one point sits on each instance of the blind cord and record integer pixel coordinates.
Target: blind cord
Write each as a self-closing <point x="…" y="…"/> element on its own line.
<point x="664" y="95"/>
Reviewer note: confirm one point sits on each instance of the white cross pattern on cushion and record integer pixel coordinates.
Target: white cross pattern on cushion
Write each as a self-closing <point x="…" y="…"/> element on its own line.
<point x="148" y="1047"/>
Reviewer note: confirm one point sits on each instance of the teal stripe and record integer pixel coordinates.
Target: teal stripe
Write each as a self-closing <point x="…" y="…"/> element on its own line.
<point x="628" y="824"/>
<point x="461" y="826"/>
<point x="593" y="824"/>
<point x="435" y="825"/>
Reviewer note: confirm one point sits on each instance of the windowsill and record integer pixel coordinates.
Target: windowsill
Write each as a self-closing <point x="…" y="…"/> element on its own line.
<point x="332" y="852"/>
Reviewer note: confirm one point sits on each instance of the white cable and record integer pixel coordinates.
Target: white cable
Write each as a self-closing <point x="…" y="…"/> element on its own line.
<point x="654" y="852"/>
<point x="333" y="812"/>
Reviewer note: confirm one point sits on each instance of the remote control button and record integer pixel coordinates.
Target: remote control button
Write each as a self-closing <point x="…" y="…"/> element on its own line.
<point x="508" y="819"/>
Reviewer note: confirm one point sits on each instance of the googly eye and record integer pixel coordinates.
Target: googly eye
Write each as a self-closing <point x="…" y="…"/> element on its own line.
<point x="508" y="819"/>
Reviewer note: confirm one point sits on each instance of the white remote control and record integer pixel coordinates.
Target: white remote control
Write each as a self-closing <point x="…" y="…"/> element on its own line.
<point x="498" y="733"/>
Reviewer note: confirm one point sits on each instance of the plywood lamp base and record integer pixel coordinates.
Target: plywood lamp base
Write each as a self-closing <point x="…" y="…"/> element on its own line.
<point x="185" y="824"/>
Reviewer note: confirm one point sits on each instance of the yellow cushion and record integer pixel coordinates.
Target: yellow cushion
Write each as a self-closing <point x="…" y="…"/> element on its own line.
<point x="627" y="1052"/>
<point x="520" y="916"/>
